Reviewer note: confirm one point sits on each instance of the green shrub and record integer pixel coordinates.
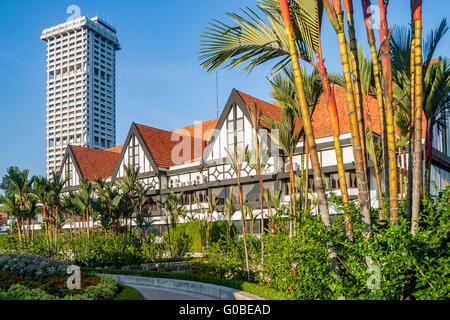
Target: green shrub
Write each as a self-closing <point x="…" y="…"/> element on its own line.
<point x="98" y="250"/>
<point x="128" y="293"/>
<point x="195" y="230"/>
<point x="21" y="292"/>
<point x="219" y="231"/>
<point x="187" y="237"/>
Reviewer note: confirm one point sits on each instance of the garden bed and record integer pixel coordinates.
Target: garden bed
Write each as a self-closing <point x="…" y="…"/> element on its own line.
<point x="25" y="277"/>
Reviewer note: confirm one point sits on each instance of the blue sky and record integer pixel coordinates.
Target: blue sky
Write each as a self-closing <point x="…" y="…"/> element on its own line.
<point x="159" y="80"/>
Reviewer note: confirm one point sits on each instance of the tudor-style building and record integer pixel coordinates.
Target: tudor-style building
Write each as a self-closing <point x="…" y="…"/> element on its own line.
<point x="193" y="160"/>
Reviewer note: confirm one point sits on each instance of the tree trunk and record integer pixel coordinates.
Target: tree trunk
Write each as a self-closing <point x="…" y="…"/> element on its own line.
<point x="309" y="134"/>
<point x="357" y="90"/>
<point x="379" y="89"/>
<point x="362" y="184"/>
<point x="417" y="161"/>
<point x="375" y="161"/>
<point x="386" y="63"/>
<point x="411" y="129"/>
<point x="307" y="176"/>
<point x="244" y="225"/>
<point x="261" y="194"/>
<point x="428" y="154"/>
<point x="18" y="230"/>
<point x="334" y="119"/>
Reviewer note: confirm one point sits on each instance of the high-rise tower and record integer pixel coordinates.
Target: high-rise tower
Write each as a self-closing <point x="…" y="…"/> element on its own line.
<point x="81" y="107"/>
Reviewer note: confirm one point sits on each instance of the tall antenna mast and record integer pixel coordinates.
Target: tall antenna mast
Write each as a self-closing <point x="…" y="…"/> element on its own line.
<point x="217" y="94"/>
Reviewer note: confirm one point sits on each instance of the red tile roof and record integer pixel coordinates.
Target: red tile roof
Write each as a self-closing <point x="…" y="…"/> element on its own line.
<point x="159" y="143"/>
<point x="117" y="149"/>
<point x="94" y="162"/>
<point x="205" y="132"/>
<point x="320" y="118"/>
<point x="270" y="110"/>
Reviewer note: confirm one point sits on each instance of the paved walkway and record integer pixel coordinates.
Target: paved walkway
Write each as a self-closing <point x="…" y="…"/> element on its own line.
<point x="155" y="293"/>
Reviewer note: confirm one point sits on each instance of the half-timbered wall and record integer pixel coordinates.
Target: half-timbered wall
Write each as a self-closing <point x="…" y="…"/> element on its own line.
<point x="68" y="169"/>
<point x="134" y="155"/>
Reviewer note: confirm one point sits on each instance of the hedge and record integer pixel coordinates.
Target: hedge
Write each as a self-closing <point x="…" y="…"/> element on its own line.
<point x="128" y="293"/>
<point x="253" y="288"/>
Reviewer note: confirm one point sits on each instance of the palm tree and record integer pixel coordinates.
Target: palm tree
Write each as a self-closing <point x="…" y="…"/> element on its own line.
<point x="128" y="186"/>
<point x="171" y="213"/>
<point x="416" y="12"/>
<point x="255" y="41"/>
<point x="236" y="160"/>
<point x="84" y="201"/>
<point x="286" y="134"/>
<point x="386" y="63"/>
<point x="18" y="182"/>
<point x="229" y="211"/>
<point x="276" y="203"/>
<point x="142" y="214"/>
<point x="31" y="210"/>
<point x="335" y="15"/>
<point x="402" y="44"/>
<point x="211" y="208"/>
<point x="377" y="79"/>
<point x="357" y="90"/>
<point x="68" y="205"/>
<point x="12" y="206"/>
<point x="258" y="162"/>
<point x="436" y="105"/>
<point x="116" y="207"/>
<point x="435" y="79"/>
<point x="368" y="88"/>
<point x="41" y="189"/>
<point x="56" y="184"/>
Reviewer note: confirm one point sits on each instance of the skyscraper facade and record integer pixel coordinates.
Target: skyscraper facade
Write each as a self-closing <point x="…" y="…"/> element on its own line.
<point x="81" y="69"/>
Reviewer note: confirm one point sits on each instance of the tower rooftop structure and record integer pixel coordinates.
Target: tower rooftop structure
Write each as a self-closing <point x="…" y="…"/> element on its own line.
<point x="81" y="86"/>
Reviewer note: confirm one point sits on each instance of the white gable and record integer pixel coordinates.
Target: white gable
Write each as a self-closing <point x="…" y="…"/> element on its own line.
<point x="226" y="134"/>
<point x="134" y="154"/>
<point x="68" y="169"/>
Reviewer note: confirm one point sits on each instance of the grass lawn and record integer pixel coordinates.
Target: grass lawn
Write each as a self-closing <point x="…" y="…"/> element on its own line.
<point x="128" y="293"/>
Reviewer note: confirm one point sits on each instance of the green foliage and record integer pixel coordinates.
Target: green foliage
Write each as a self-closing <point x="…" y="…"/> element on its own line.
<point x="105" y="290"/>
<point x="128" y="293"/>
<point x="219" y="231"/>
<point x="187" y="237"/>
<point x="196" y="233"/>
<point x="21" y="292"/>
<point x="411" y="267"/>
<point x="253" y="288"/>
<point x="226" y="258"/>
<point x="97" y="250"/>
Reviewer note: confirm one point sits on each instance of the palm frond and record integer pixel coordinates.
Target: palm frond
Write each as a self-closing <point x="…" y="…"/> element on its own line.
<point x="252" y="40"/>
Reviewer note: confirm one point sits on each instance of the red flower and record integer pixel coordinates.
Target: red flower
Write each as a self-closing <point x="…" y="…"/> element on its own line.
<point x="291" y="288"/>
<point x="294" y="273"/>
